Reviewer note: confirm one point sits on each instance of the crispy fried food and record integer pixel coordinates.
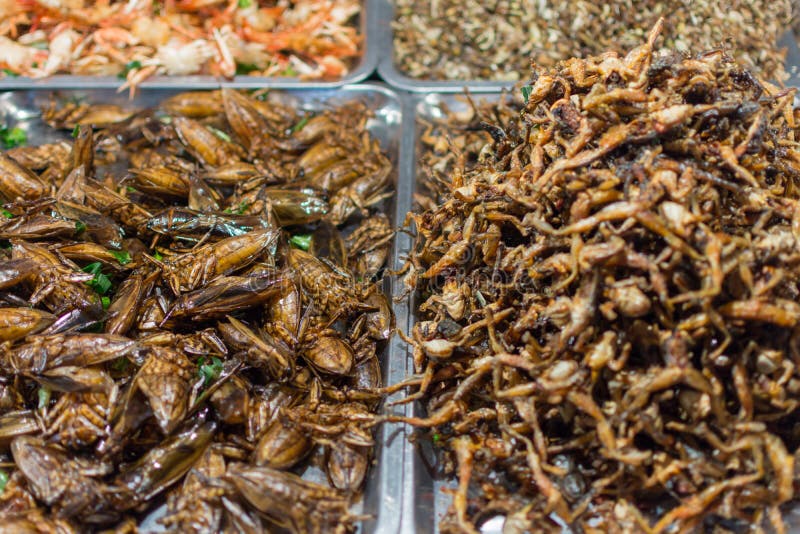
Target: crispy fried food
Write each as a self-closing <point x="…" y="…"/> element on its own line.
<point x="609" y="282"/>
<point x="164" y="333"/>
<point x="497" y="40"/>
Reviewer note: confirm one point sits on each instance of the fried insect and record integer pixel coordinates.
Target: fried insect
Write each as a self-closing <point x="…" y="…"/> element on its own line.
<point x="160" y="317"/>
<point x="497" y="41"/>
<point x="608" y="278"/>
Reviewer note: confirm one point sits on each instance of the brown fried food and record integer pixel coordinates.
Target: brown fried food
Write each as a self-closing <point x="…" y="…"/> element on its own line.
<point x="609" y="284"/>
<point x="497" y="40"/>
<point x="165" y="336"/>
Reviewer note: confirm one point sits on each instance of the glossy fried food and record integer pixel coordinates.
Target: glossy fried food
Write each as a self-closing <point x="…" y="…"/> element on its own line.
<point x="608" y="286"/>
<point x="191" y="314"/>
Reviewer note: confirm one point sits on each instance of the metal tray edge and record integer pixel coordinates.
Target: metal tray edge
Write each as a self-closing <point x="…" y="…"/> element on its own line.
<point x="384" y="13"/>
<point x="392" y="498"/>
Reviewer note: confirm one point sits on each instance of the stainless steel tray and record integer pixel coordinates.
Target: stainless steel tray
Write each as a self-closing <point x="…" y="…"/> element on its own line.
<point x="427" y="496"/>
<point x="383" y="10"/>
<point x="384" y="15"/>
<point x="361" y="69"/>
<point x="384" y="485"/>
<point x="792" y="63"/>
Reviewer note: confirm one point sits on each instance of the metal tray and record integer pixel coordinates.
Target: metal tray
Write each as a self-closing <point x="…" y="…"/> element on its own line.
<point x="428" y="497"/>
<point x="384" y="15"/>
<point x="383" y="11"/>
<point x="383" y="487"/>
<point x="361" y="69"/>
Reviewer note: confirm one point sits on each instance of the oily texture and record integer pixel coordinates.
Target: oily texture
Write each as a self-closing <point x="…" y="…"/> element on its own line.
<point x="607" y="286"/>
<point x="191" y="312"/>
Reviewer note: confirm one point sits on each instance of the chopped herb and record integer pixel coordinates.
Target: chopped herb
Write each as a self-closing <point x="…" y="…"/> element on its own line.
<point x="436" y="437"/>
<point x="76" y="130"/>
<point x="219" y="133"/>
<point x="7" y="213"/>
<point x="105" y="301"/>
<point x="93" y="268"/>
<point x="35" y="64"/>
<point x="238" y="211"/>
<point x="100" y="283"/>
<point x="13" y="137"/>
<point x="211" y="371"/>
<point x="122" y="256"/>
<point x="11" y="73"/>
<point x="526" y="92"/>
<point x="3" y="480"/>
<point x="245" y="68"/>
<point x="289" y="71"/>
<point x="303" y="242"/>
<point x="96" y="327"/>
<point x="158" y="256"/>
<point x="130" y="189"/>
<point x="79" y="227"/>
<point x="43" y="394"/>
<point x="245" y="3"/>
<point x="299" y="126"/>
<point x="120" y="364"/>
<point x="129" y="66"/>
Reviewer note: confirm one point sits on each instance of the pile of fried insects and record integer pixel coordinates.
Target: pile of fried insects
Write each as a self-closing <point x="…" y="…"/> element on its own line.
<point x="496" y="40"/>
<point x="608" y="333"/>
<point x="190" y="315"/>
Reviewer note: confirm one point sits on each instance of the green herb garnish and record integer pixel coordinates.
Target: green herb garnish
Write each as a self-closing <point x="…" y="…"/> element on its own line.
<point x="13" y="137"/>
<point x="11" y="73"/>
<point x="100" y="283"/>
<point x="245" y="68"/>
<point x="299" y="126"/>
<point x="3" y="480"/>
<point x="436" y="437"/>
<point x="526" y="92"/>
<point x="238" y="211"/>
<point x="76" y="130"/>
<point x="245" y="3"/>
<point x="7" y="213"/>
<point x="129" y="66"/>
<point x="219" y="133"/>
<point x="158" y="256"/>
<point x="302" y="241"/>
<point x="130" y="189"/>
<point x="105" y="301"/>
<point x="289" y="71"/>
<point x="120" y="364"/>
<point x="79" y="227"/>
<point x="210" y="371"/>
<point x="122" y="256"/>
<point x="43" y="394"/>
